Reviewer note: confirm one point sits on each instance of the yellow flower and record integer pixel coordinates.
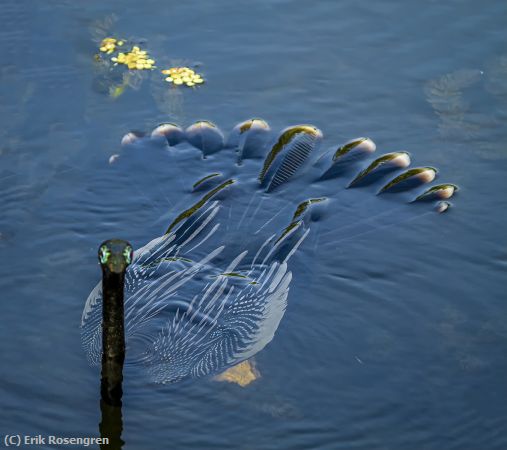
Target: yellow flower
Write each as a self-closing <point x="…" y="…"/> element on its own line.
<point x="136" y="59"/>
<point x="182" y="75"/>
<point x="108" y="45"/>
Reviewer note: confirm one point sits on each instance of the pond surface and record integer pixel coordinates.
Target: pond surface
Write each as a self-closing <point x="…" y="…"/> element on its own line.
<point x="393" y="338"/>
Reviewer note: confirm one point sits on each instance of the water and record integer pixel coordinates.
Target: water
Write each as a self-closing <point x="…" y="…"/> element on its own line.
<point x="393" y="339"/>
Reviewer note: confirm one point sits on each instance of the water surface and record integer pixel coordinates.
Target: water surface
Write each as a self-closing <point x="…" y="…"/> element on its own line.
<point x="393" y="339"/>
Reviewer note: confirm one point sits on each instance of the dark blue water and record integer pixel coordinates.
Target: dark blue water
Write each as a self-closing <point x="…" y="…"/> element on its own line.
<point x="392" y="339"/>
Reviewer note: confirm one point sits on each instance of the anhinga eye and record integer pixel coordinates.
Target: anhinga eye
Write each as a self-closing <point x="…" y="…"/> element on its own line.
<point x="104" y="254"/>
<point x="128" y="254"/>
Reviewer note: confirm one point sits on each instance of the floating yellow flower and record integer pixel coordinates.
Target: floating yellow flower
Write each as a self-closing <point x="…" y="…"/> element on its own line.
<point x="108" y="45"/>
<point x="182" y="75"/>
<point x="136" y="59"/>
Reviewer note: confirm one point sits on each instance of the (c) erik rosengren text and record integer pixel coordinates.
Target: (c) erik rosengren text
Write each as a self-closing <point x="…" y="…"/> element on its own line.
<point x="16" y="440"/>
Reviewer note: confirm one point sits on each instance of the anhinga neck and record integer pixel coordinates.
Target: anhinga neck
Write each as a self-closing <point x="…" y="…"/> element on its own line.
<point x="113" y="336"/>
